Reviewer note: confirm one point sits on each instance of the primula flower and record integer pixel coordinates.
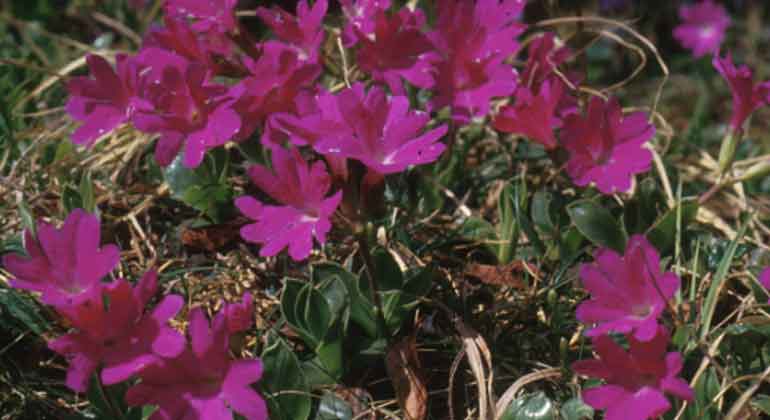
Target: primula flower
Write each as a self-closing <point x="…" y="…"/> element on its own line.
<point x="210" y="15"/>
<point x="187" y="110"/>
<point x="473" y="39"/>
<point x="303" y="32"/>
<point x="397" y="48"/>
<point x="240" y="316"/>
<point x="628" y="293"/>
<point x="360" y="16"/>
<point x="65" y="265"/>
<point x="533" y="115"/>
<point x="276" y="79"/>
<point x="202" y="382"/>
<point x="304" y="212"/>
<point x="382" y="133"/>
<point x="543" y="58"/>
<point x="606" y="147"/>
<point x="747" y="96"/>
<point x="703" y="27"/>
<point x="103" y="101"/>
<point x="636" y="380"/>
<point x="120" y="336"/>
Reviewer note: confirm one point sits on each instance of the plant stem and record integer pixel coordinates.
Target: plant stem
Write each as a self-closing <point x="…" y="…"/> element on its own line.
<point x="363" y="246"/>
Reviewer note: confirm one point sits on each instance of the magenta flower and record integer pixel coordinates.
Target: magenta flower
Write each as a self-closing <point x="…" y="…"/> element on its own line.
<point x="187" y="110"/>
<point x="240" y="316"/>
<point x="202" y="382"/>
<point x="606" y="147"/>
<point x="304" y="212"/>
<point x="397" y="48"/>
<point x="636" y="380"/>
<point x="543" y="58"/>
<point x="473" y="39"/>
<point x="628" y="293"/>
<point x="104" y="101"/>
<point x="533" y="116"/>
<point x="206" y="16"/>
<point x="764" y="278"/>
<point x="703" y="27"/>
<point x="360" y="16"/>
<point x="120" y="337"/>
<point x="303" y="32"/>
<point x="382" y="133"/>
<point x="65" y="265"/>
<point x="276" y="79"/>
<point x="747" y="96"/>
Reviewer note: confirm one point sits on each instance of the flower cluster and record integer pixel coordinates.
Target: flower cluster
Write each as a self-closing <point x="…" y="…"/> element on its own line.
<point x="628" y="296"/>
<point x="114" y="333"/>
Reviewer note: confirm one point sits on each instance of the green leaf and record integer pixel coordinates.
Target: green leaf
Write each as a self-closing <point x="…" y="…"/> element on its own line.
<point x="204" y="188"/>
<point x="576" y="409"/>
<point x="531" y="407"/>
<point x="709" y="305"/>
<point x="361" y="307"/>
<point x="332" y="407"/>
<point x="283" y="372"/>
<point x="703" y="407"/>
<point x="27" y="219"/>
<point x="71" y="199"/>
<point x="541" y="212"/>
<point x="597" y="224"/>
<point x="663" y="233"/>
<point x="479" y="230"/>
<point x="762" y="403"/>
<point x="388" y="275"/>
<point x="87" y="193"/>
<point x="23" y="310"/>
<point x="508" y="227"/>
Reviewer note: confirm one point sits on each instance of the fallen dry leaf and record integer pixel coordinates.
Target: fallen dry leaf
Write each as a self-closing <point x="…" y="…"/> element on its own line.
<point x="501" y="275"/>
<point x="404" y="370"/>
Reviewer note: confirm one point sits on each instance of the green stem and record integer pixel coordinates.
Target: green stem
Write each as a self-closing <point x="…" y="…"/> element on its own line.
<point x="363" y="245"/>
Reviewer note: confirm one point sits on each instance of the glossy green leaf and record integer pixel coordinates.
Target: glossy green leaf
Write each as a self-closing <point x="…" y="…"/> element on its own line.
<point x="283" y="372"/>
<point x="576" y="409"/>
<point x="597" y="224"/>
<point x="332" y="407"/>
<point x="663" y="233"/>
<point x="531" y="407"/>
<point x="508" y="226"/>
<point x="388" y="275"/>
<point x="361" y="308"/>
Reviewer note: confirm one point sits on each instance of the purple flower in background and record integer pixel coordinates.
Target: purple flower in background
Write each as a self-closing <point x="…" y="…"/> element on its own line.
<point x="187" y="110"/>
<point x="360" y="16"/>
<point x="276" y="79"/>
<point x="65" y="265"/>
<point x="533" y="115"/>
<point x="637" y="380"/>
<point x="303" y="32"/>
<point x="397" y="49"/>
<point x="206" y="16"/>
<point x="120" y="337"/>
<point x="606" y="147"/>
<point x="103" y="101"/>
<point x="202" y="382"/>
<point x="628" y="293"/>
<point x="473" y="39"/>
<point x="240" y="316"/>
<point x="304" y="212"/>
<point x="382" y="132"/>
<point x="747" y="96"/>
<point x="703" y="27"/>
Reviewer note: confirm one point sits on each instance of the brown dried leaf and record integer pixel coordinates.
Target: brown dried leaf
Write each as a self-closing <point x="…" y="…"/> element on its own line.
<point x="211" y="238"/>
<point x="359" y="401"/>
<point x="404" y="370"/>
<point x="501" y="275"/>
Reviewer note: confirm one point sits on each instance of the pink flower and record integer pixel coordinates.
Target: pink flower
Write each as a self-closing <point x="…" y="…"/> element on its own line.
<point x="397" y="48"/>
<point x="764" y="278"/>
<point x="240" y="316"/>
<point x="202" y="382"/>
<point x="533" y="116"/>
<point x="636" y="380"/>
<point x="65" y="265"/>
<point x="210" y="15"/>
<point x="703" y="27"/>
<point x="360" y="16"/>
<point x="473" y="39"/>
<point x="303" y="32"/>
<point x="104" y="101"/>
<point x="628" y="293"/>
<point x="382" y="133"/>
<point x="606" y="147"/>
<point x="276" y="79"/>
<point x="543" y="59"/>
<point x="747" y="96"/>
<point x="213" y="49"/>
<point x="304" y="212"/>
<point x="187" y="110"/>
<point x="120" y="337"/>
